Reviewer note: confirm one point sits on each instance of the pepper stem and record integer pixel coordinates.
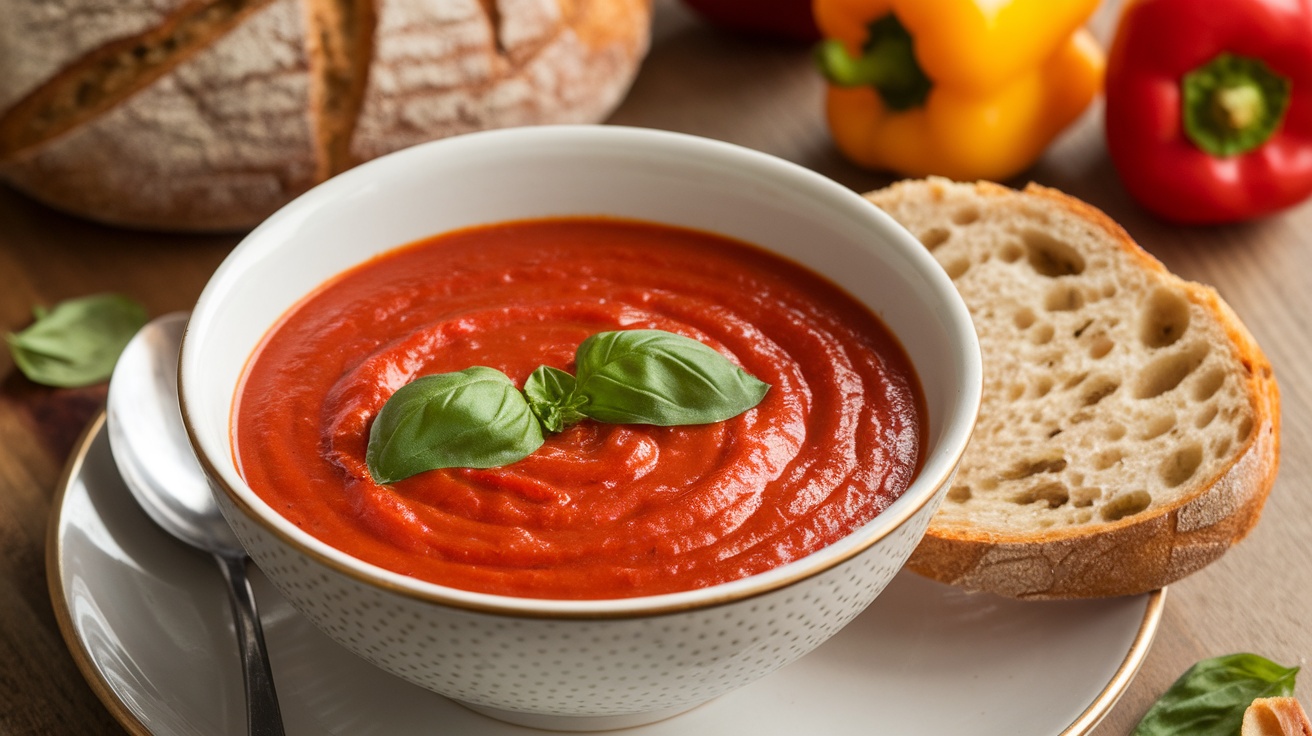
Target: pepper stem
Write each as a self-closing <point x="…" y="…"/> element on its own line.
<point x="1232" y="104"/>
<point x="887" y="63"/>
<point x="1237" y="107"/>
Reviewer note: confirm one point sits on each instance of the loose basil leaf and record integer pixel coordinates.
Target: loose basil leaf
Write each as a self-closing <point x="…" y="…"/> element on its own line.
<point x="77" y="342"/>
<point x="658" y="377"/>
<point x="1210" y="698"/>
<point x="474" y="418"/>
<point x="550" y="393"/>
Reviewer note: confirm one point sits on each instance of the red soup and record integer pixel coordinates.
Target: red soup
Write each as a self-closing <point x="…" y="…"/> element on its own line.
<point x="600" y="510"/>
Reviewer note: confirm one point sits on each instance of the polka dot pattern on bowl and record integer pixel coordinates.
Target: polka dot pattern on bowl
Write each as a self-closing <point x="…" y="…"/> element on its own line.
<point x="581" y="667"/>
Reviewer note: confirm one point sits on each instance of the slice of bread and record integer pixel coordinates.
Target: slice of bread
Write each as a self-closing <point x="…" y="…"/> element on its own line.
<point x="1129" y="431"/>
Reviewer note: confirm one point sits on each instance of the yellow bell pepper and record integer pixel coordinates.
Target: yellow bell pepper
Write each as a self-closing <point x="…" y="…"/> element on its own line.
<point x="968" y="89"/>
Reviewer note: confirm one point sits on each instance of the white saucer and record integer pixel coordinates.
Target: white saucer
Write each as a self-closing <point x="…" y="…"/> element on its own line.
<point x="147" y="620"/>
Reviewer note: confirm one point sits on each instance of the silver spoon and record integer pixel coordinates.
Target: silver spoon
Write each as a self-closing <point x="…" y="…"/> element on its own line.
<point x="150" y="447"/>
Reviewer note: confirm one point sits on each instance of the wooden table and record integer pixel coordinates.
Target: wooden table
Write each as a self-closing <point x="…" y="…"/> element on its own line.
<point x="1257" y="598"/>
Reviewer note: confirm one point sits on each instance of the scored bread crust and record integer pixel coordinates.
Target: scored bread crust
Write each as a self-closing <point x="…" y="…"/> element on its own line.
<point x="219" y="142"/>
<point x="261" y="99"/>
<point x="551" y="61"/>
<point x="1018" y="521"/>
<point x="37" y="39"/>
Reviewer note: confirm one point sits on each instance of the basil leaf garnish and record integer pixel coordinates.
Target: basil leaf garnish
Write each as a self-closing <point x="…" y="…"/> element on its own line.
<point x="550" y="393"/>
<point x="474" y="418"/>
<point x="1210" y="698"/>
<point x="658" y="377"/>
<point x="77" y="342"/>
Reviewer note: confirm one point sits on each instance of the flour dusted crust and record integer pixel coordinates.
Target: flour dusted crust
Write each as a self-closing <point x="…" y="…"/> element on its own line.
<point x="1130" y="423"/>
<point x="37" y="39"/>
<point x="552" y="62"/>
<point x="217" y="143"/>
<point x="211" y="114"/>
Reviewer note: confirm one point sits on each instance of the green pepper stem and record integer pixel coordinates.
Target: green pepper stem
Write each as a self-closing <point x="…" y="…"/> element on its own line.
<point x="1232" y="104"/>
<point x="887" y="63"/>
<point x="875" y="68"/>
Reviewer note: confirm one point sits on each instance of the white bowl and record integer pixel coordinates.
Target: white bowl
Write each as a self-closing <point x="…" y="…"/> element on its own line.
<point x="581" y="664"/>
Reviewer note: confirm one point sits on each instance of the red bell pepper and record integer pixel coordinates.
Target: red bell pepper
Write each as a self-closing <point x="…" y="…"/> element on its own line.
<point x="1209" y="106"/>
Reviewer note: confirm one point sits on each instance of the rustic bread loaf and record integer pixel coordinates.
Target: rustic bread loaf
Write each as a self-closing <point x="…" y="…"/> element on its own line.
<point x="1129" y="429"/>
<point x="210" y="114"/>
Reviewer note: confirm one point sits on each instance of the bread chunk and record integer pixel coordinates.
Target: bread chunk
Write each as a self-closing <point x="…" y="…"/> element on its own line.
<point x="1278" y="716"/>
<point x="1129" y="430"/>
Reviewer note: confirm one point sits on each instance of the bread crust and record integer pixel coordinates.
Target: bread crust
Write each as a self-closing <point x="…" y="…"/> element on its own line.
<point x="218" y="143"/>
<point x="38" y="39"/>
<point x="1275" y="716"/>
<point x="229" y="133"/>
<point x="550" y="62"/>
<point x="1143" y="551"/>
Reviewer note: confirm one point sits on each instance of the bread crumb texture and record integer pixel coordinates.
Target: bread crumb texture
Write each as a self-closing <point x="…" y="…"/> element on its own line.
<point x="211" y="114"/>
<point x="1128" y="433"/>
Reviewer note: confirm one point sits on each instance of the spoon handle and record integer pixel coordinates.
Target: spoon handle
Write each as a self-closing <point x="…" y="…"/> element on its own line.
<point x="263" y="716"/>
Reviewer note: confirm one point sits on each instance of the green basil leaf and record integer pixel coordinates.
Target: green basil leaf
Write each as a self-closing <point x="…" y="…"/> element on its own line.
<point x="1210" y="698"/>
<point x="550" y="393"/>
<point x="658" y="377"/>
<point x="474" y="418"/>
<point x="77" y="342"/>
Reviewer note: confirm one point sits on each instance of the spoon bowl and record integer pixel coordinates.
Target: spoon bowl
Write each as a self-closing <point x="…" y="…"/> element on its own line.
<point x="150" y="447"/>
